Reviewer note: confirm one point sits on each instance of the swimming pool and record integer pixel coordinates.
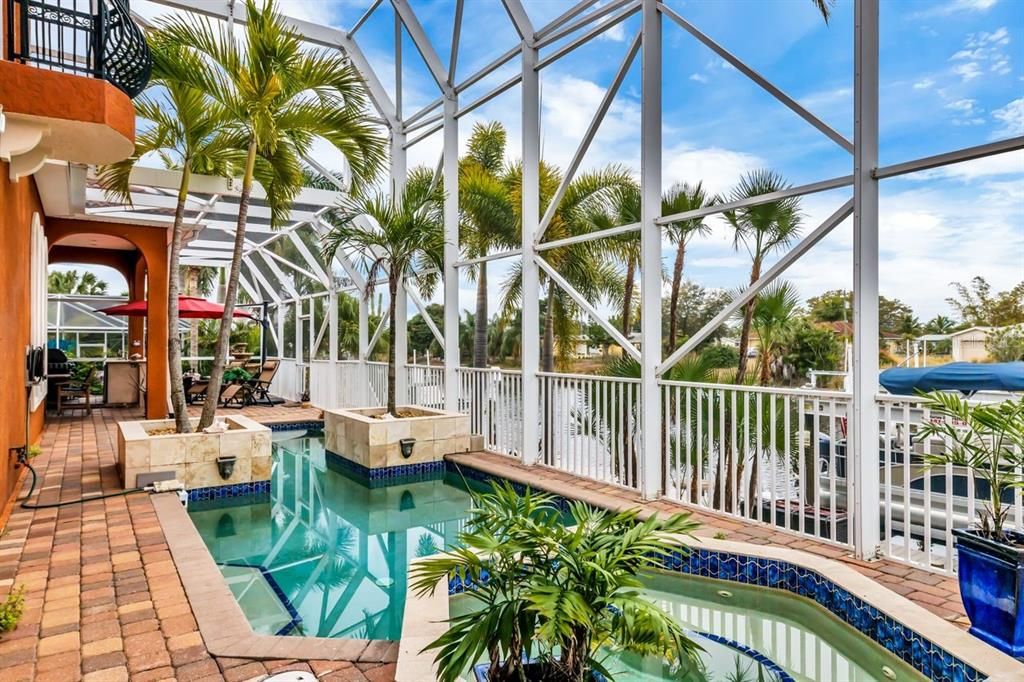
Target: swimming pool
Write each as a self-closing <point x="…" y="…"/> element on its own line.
<point x="750" y="633"/>
<point x="324" y="549"/>
<point x="326" y="552"/>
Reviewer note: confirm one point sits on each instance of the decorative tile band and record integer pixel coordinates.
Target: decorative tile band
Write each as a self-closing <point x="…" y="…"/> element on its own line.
<point x="926" y="657"/>
<point x="295" y="426"/>
<point x="771" y="666"/>
<point x="385" y="476"/>
<point x="218" y="492"/>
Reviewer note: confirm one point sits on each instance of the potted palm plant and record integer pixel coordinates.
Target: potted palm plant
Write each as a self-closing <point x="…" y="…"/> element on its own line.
<point x="396" y="239"/>
<point x="988" y="441"/>
<point x="553" y="598"/>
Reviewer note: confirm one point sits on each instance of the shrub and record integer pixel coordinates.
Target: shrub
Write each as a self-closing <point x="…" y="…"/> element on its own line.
<point x="552" y="595"/>
<point x="11" y="609"/>
<point x="1005" y="344"/>
<point x="720" y="356"/>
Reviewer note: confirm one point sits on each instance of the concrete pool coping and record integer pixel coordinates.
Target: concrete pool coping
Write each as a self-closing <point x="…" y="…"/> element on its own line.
<point x="223" y="626"/>
<point x="425" y="616"/>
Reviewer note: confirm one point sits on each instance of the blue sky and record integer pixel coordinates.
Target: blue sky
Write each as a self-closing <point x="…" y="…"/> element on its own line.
<point x="952" y="75"/>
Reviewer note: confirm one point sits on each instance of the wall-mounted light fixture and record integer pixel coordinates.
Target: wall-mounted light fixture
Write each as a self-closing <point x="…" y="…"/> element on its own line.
<point x="226" y="466"/>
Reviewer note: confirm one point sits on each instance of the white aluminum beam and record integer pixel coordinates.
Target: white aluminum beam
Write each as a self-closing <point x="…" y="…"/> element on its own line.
<point x="365" y="16"/>
<point x="453" y="58"/>
<point x="450" y="171"/>
<point x="484" y="99"/>
<point x="1011" y="144"/>
<point x="566" y="16"/>
<point x="520" y="19"/>
<point x="422" y="43"/>
<point x="864" y="430"/>
<point x="588" y="36"/>
<point x="650" y="466"/>
<point x="317" y="34"/>
<point x="487" y="258"/>
<point x="764" y="280"/>
<point x="530" y="354"/>
<point x="767" y="85"/>
<point x="489" y="69"/>
<point x="588" y="237"/>
<point x="588" y="308"/>
<point x="588" y="136"/>
<point x="410" y="291"/>
<point x="278" y="273"/>
<point x="314" y="264"/>
<point x="262" y="280"/>
<point x="800" y="190"/>
<point x="549" y="35"/>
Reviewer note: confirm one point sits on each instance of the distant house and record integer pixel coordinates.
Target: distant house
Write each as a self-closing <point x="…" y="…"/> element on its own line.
<point x="890" y="342"/>
<point x="969" y="344"/>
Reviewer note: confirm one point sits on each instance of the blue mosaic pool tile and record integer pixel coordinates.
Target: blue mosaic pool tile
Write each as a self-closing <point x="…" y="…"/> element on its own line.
<point x="929" y="659"/>
<point x="385" y="476"/>
<point x="779" y="673"/>
<point x="218" y="492"/>
<point x="295" y="426"/>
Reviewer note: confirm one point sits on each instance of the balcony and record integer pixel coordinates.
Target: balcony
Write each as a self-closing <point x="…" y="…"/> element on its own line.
<point x="71" y="68"/>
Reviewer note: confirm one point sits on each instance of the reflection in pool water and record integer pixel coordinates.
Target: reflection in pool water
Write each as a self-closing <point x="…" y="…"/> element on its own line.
<point x="324" y="554"/>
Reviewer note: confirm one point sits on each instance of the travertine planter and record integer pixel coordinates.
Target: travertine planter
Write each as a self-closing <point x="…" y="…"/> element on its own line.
<point x="193" y="456"/>
<point x="360" y="436"/>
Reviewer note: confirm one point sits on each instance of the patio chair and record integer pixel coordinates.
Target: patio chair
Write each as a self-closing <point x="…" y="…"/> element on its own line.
<point x="236" y="395"/>
<point x="76" y="391"/>
<point x="197" y="391"/>
<point x="260" y="386"/>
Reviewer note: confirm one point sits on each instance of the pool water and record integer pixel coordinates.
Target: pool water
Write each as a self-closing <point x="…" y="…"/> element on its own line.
<point x="751" y="634"/>
<point x="324" y="554"/>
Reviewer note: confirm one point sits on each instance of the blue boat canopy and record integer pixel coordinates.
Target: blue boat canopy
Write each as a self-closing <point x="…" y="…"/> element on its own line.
<point x="966" y="377"/>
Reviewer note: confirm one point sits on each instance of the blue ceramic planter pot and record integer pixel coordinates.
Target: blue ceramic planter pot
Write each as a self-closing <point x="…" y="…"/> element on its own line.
<point x="992" y="589"/>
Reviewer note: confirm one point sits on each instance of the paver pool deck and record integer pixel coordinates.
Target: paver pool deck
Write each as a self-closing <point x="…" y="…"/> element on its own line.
<point x="104" y="598"/>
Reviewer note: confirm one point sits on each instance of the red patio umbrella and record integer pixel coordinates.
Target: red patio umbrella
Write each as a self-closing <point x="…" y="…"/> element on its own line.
<point x="189" y="307"/>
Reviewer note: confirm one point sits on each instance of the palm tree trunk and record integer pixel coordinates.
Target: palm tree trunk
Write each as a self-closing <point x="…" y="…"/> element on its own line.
<point x="220" y="350"/>
<point x="393" y="292"/>
<point x="480" y="319"/>
<point x="181" y="420"/>
<point x="192" y="289"/>
<point x="627" y="296"/>
<point x="748" y="316"/>
<point x="673" y="301"/>
<point x="547" y="351"/>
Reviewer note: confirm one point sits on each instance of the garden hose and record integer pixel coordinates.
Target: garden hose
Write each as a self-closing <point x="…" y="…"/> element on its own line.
<point x="25" y="504"/>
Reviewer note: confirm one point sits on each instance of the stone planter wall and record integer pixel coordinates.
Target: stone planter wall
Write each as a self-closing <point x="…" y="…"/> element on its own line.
<point x="193" y="456"/>
<point x="359" y="436"/>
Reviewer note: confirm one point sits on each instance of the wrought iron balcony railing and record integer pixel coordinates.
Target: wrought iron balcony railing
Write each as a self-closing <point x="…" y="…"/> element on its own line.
<point x="88" y="37"/>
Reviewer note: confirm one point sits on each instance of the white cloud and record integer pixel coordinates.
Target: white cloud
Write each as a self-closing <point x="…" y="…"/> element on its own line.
<point x="967" y="112"/>
<point x="1012" y="118"/>
<point x="717" y="168"/>
<point x="956" y="6"/>
<point x="699" y="77"/>
<point x="982" y="49"/>
<point x="924" y="84"/>
<point x="968" y="71"/>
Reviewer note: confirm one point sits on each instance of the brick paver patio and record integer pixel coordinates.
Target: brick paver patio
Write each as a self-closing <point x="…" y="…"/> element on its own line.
<point x="104" y="600"/>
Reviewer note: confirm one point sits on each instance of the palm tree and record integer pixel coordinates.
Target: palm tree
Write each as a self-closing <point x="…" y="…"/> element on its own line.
<point x="407" y="237"/>
<point x="775" y="310"/>
<point x="488" y="220"/>
<point x="279" y="97"/>
<point x="584" y="265"/>
<point x="761" y="230"/>
<point x="71" y="282"/>
<point x="623" y="209"/>
<point x="185" y="132"/>
<point x="682" y="197"/>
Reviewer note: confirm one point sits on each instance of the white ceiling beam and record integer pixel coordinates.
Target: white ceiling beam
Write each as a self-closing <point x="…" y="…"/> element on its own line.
<point x="765" y="84"/>
<point x="588" y="36"/>
<point x="588" y="136"/>
<point x="546" y="36"/>
<point x="423" y="44"/>
<point x="520" y="19"/>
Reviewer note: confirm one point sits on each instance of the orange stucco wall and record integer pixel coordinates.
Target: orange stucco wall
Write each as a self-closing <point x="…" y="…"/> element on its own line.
<point x="18" y="201"/>
<point x="152" y="243"/>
